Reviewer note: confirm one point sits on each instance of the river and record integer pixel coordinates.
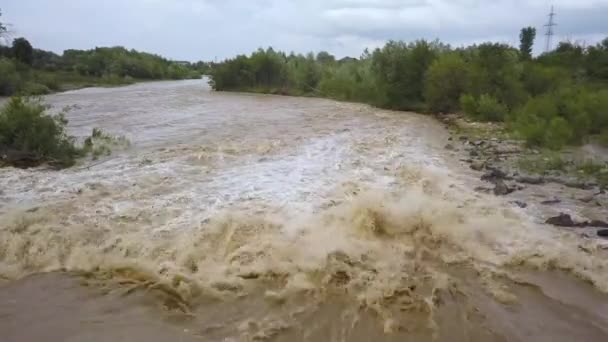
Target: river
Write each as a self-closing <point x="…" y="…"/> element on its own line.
<point x="237" y="217"/>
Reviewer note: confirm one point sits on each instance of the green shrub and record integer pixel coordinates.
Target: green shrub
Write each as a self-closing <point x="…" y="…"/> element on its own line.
<point x="532" y="120"/>
<point x="489" y="109"/>
<point x="468" y="104"/>
<point x="557" y="134"/>
<point x="27" y="131"/>
<point x="10" y="80"/>
<point x="446" y="81"/>
<point x="35" y="89"/>
<point x="485" y="108"/>
<point x="49" y="80"/>
<point x="101" y="143"/>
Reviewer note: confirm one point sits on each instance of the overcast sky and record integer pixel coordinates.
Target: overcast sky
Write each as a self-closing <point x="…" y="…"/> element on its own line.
<point x="209" y="29"/>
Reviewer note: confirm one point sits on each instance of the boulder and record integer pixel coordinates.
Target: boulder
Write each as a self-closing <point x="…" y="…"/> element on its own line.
<point x="562" y="220"/>
<point x="551" y="202"/>
<point x="598" y="224"/>
<point x="502" y="189"/>
<point x="493" y="175"/>
<point x="450" y="147"/>
<point x="534" y="180"/>
<point x="602" y="233"/>
<point x="477" y="165"/>
<point x="520" y="204"/>
<point x="565" y="220"/>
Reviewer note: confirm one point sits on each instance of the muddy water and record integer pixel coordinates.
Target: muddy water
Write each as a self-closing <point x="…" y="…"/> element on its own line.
<point x="243" y="217"/>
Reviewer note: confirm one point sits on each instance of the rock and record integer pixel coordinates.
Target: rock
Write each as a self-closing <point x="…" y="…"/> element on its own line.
<point x="602" y="233"/>
<point x="463" y="138"/>
<point x="571" y="183"/>
<point x="520" y="204"/>
<point x="501" y="189"/>
<point x="483" y="189"/>
<point x="450" y="139"/>
<point x="562" y="220"/>
<point x="493" y="175"/>
<point x="587" y="199"/>
<point x="477" y="165"/>
<point x="551" y="202"/>
<point x="478" y="143"/>
<point x="597" y="224"/>
<point x="450" y="147"/>
<point x="535" y="180"/>
<point x="473" y="153"/>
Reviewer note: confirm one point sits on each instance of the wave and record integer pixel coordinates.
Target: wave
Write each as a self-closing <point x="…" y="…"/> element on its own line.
<point x="389" y="253"/>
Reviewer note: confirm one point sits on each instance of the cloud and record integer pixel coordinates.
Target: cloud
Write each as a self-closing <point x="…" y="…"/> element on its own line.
<point x="209" y="29"/>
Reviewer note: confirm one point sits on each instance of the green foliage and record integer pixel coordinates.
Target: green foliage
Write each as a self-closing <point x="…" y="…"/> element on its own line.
<point x="400" y="70"/>
<point x="446" y="81"/>
<point x="526" y="39"/>
<point x="542" y="163"/>
<point x="31" y="88"/>
<point x="484" y="108"/>
<point x="23" y="51"/>
<point x="566" y="116"/>
<point x="26" y="129"/>
<point x="539" y="79"/>
<point x="557" y="99"/>
<point x="10" y="80"/>
<point x="100" y="143"/>
<point x="496" y="71"/>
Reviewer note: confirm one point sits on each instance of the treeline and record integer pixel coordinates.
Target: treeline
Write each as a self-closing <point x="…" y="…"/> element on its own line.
<point x="26" y="70"/>
<point x="557" y="98"/>
<point x="30" y="71"/>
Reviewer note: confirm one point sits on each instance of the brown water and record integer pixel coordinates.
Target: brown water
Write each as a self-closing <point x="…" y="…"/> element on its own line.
<point x="243" y="217"/>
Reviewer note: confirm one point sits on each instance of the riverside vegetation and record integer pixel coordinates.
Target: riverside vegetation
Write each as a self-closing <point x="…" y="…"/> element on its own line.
<point x="28" y="135"/>
<point x="25" y="70"/>
<point x="556" y="99"/>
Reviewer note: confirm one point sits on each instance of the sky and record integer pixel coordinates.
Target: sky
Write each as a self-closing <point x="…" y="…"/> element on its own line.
<point x="216" y="29"/>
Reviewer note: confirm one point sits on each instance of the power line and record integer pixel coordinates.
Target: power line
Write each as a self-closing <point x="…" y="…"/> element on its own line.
<point x="550" y="31"/>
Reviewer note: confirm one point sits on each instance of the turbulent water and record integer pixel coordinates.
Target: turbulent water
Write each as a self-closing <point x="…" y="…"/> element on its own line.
<point x="237" y="217"/>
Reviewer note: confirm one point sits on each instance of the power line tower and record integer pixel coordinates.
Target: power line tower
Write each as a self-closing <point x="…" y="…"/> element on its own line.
<point x="550" y="31"/>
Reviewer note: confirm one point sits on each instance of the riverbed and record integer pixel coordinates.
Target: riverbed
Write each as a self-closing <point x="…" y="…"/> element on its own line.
<point x="239" y="217"/>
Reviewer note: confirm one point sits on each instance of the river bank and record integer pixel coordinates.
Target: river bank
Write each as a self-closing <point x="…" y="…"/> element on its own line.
<point x="571" y="181"/>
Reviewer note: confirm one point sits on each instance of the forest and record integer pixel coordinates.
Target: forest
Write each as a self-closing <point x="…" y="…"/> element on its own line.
<point x="551" y="100"/>
<point x="26" y="70"/>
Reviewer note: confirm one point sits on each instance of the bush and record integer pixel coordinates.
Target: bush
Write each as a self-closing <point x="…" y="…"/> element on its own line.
<point x="485" y="108"/>
<point x="29" y="136"/>
<point x="49" y="80"/>
<point x="446" y="80"/>
<point x="35" y="89"/>
<point x="531" y="121"/>
<point x="489" y="109"/>
<point x="10" y="80"/>
<point x="468" y="104"/>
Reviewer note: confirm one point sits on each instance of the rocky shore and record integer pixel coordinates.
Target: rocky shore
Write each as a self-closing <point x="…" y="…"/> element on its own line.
<point x="559" y="185"/>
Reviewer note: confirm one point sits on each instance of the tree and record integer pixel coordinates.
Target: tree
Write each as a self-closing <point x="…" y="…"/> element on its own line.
<point x="23" y="51"/>
<point x="446" y="81"/>
<point x="526" y="38"/>
<point x="325" y="57"/>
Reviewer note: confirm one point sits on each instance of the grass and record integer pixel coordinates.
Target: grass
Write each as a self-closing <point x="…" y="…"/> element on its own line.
<point x="549" y="160"/>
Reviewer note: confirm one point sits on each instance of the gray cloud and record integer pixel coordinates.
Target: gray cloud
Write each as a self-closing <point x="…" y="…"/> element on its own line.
<point x="206" y="29"/>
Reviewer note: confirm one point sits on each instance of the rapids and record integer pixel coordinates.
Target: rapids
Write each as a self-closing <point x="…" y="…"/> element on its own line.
<point x="237" y="217"/>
